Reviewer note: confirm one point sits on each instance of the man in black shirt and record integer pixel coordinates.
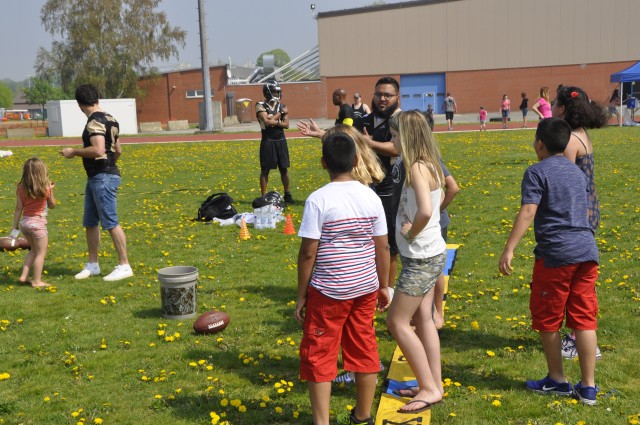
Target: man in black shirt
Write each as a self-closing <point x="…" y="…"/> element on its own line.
<point x="345" y="114"/>
<point x="376" y="125"/>
<point x="100" y="151"/>
<point x="274" y="152"/>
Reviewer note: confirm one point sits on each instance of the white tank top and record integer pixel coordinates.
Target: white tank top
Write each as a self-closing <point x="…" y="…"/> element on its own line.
<point x="429" y="242"/>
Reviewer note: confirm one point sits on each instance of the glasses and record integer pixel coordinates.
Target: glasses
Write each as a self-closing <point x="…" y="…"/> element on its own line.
<point x="385" y="96"/>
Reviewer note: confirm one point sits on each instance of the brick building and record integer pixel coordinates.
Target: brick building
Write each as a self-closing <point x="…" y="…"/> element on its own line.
<point x="476" y="49"/>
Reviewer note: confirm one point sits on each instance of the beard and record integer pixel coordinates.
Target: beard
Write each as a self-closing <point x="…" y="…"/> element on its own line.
<point x="383" y="114"/>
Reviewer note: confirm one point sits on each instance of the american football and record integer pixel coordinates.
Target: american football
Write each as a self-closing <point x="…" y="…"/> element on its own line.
<point x="211" y="322"/>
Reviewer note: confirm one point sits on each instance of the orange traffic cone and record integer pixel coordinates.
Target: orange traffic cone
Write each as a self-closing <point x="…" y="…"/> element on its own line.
<point x="288" y="226"/>
<point x="244" y="232"/>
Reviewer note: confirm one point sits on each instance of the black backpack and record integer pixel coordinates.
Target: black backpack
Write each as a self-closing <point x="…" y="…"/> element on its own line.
<point x="217" y="205"/>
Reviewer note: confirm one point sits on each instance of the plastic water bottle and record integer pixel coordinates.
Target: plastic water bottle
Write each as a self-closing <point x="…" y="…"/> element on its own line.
<point x="259" y="218"/>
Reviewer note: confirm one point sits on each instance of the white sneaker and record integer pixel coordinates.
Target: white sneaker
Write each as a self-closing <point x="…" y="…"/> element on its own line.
<point x="90" y="269"/>
<point x="122" y="271"/>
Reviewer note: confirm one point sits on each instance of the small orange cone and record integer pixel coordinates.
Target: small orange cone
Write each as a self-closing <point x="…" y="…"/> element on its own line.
<point x="244" y="232"/>
<point x="288" y="226"/>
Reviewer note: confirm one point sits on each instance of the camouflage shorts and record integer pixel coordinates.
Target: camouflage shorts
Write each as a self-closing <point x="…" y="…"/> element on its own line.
<point x="419" y="275"/>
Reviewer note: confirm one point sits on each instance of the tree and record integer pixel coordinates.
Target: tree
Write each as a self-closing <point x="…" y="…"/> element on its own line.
<point x="281" y="57"/>
<point x="107" y="43"/>
<point x="42" y="91"/>
<point x="6" y="96"/>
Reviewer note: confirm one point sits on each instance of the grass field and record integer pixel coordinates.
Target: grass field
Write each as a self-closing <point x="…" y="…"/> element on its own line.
<point x="97" y="352"/>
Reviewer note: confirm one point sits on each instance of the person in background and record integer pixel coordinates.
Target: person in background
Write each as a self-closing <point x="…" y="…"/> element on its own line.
<point x="274" y="151"/>
<point x="542" y="107"/>
<point x="450" y="107"/>
<point x="482" y="116"/>
<point x="524" y="107"/>
<point x="614" y="104"/>
<point x="360" y="109"/>
<point x="345" y="113"/>
<point x="505" y="109"/>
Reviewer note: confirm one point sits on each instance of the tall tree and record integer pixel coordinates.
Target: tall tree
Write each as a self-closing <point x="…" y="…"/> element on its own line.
<point x="108" y="43"/>
<point x="41" y="91"/>
<point x="280" y="57"/>
<point x="6" y="96"/>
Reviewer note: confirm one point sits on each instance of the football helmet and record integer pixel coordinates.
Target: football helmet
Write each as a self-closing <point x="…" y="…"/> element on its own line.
<point x="271" y="90"/>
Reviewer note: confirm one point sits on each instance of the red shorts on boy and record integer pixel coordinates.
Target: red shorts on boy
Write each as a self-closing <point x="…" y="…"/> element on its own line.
<point x="330" y="324"/>
<point x="569" y="289"/>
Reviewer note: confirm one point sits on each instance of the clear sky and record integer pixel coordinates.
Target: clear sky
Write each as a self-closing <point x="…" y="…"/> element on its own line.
<point x="239" y="29"/>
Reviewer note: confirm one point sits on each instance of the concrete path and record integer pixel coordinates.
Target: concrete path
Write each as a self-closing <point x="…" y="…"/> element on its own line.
<point x="247" y="131"/>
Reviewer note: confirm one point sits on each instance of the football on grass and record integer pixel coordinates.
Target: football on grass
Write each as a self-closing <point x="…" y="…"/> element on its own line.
<point x="211" y="322"/>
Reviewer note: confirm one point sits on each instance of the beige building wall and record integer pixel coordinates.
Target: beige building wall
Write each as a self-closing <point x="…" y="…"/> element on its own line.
<point x="461" y="35"/>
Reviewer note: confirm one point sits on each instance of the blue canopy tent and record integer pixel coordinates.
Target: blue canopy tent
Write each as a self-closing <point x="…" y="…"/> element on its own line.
<point x="628" y="75"/>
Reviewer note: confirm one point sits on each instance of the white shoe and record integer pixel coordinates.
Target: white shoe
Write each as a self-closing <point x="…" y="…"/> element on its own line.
<point x="122" y="271"/>
<point x="90" y="269"/>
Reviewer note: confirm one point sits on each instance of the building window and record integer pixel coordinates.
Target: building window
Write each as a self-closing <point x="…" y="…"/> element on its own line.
<point x="195" y="94"/>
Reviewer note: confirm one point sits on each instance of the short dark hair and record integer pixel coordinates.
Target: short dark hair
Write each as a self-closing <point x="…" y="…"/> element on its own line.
<point x="338" y="152"/>
<point x="87" y="95"/>
<point x="389" y="80"/>
<point x="554" y="133"/>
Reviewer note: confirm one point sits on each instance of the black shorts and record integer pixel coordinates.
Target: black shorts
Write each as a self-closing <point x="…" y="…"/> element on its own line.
<point x="449" y="115"/>
<point x="387" y="204"/>
<point x="274" y="154"/>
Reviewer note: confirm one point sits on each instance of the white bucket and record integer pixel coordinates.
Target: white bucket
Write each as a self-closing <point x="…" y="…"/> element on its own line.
<point x="178" y="291"/>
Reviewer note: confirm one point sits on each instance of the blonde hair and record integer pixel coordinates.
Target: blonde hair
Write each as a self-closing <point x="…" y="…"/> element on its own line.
<point x="368" y="169"/>
<point x="417" y="144"/>
<point x="544" y="93"/>
<point x="35" y="178"/>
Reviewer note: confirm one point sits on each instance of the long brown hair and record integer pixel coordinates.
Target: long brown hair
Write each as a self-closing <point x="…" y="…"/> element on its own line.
<point x="35" y="178"/>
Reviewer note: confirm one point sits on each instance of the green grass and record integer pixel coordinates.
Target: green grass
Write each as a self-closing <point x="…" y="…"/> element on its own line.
<point x="68" y="353"/>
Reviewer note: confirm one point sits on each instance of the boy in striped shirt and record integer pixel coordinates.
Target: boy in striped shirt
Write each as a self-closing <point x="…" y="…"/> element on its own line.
<point x="343" y="268"/>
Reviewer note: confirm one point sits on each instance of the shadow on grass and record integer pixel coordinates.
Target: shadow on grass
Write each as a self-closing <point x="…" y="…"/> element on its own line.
<point x="149" y="313"/>
<point x="265" y="374"/>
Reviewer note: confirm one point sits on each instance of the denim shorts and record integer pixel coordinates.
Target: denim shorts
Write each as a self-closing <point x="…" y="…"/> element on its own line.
<point x="419" y="275"/>
<point x="100" y="204"/>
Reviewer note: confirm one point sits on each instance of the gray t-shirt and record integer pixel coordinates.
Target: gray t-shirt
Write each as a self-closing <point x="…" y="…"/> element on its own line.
<point x="562" y="230"/>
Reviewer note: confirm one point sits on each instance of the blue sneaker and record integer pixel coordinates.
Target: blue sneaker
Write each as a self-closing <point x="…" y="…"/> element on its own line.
<point x="587" y="395"/>
<point x="547" y="385"/>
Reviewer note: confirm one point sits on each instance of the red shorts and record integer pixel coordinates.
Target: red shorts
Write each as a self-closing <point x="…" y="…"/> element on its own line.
<point x="331" y="323"/>
<point x="570" y="290"/>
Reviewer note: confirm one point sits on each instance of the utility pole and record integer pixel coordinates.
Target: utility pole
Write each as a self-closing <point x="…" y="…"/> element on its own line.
<point x="206" y="79"/>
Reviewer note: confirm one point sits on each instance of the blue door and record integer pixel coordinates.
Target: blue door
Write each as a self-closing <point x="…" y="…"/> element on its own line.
<point x="418" y="91"/>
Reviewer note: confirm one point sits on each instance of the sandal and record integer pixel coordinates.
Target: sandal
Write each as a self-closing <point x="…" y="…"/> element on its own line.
<point x="426" y="406"/>
<point x="406" y="392"/>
